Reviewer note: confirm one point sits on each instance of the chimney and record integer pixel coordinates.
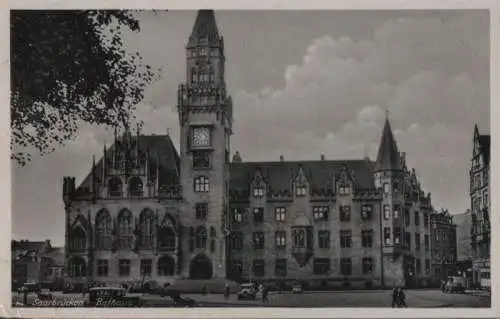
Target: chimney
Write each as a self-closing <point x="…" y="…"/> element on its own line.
<point x="322" y="157"/>
<point x="282" y="158"/>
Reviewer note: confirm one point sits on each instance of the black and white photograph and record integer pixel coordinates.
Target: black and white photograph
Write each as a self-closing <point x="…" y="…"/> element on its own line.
<point x="213" y="158"/>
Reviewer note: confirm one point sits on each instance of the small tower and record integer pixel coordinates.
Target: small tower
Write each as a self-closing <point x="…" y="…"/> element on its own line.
<point x="389" y="179"/>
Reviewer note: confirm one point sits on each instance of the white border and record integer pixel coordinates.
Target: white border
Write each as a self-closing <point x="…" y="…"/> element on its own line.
<point x="5" y="171"/>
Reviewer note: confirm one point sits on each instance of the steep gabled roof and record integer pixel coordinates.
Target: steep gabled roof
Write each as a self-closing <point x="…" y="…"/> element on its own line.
<point x="320" y="174"/>
<point x="204" y="26"/>
<point x="161" y="151"/>
<point x="388" y="154"/>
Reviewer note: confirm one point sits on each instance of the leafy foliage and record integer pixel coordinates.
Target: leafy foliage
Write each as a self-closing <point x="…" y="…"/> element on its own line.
<point x="69" y="67"/>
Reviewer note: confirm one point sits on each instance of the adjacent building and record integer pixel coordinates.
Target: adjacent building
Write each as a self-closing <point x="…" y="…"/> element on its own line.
<point x="444" y="245"/>
<point x="28" y="261"/>
<point x="480" y="208"/>
<point x="149" y="212"/>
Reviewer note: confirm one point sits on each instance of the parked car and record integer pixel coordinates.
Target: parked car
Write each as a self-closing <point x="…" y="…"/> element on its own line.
<point x="297" y="288"/>
<point x="30" y="287"/>
<point x="247" y="291"/>
<point x="111" y="297"/>
<point x="180" y="301"/>
<point x="455" y="284"/>
<point x="45" y="294"/>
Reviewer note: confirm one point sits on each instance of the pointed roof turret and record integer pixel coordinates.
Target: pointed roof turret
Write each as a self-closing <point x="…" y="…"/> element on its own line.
<point x="388" y="154"/>
<point x="204" y="30"/>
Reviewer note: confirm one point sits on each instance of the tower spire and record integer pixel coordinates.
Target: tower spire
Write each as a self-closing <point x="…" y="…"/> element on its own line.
<point x="205" y="30"/>
<point x="388" y="154"/>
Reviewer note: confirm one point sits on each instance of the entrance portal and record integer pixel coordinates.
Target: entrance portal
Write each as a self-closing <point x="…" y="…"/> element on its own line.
<point x="201" y="268"/>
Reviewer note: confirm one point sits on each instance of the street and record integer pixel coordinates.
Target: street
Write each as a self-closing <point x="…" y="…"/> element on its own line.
<point x="365" y="298"/>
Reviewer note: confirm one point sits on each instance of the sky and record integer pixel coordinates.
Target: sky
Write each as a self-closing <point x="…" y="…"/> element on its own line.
<point x="305" y="83"/>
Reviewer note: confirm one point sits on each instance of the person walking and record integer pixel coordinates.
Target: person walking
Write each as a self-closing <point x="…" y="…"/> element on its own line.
<point x="394" y="297"/>
<point x="401" y="298"/>
<point x="227" y="291"/>
<point x="265" y="292"/>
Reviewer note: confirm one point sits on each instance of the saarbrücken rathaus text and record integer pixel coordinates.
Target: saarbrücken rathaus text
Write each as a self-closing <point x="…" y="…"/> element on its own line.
<point x="148" y="210"/>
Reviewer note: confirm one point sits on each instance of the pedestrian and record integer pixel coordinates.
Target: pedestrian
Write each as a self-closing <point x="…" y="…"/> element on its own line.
<point x="265" y="292"/>
<point x="203" y="289"/>
<point x="227" y="291"/>
<point x="443" y="285"/>
<point x="394" y="297"/>
<point x="401" y="298"/>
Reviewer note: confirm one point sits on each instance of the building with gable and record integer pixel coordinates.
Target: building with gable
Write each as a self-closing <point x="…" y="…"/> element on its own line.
<point x="480" y="209"/>
<point x="149" y="212"/>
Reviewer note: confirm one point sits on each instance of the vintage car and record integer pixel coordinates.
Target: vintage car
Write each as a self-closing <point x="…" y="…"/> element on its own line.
<point x="108" y="297"/>
<point x="179" y="301"/>
<point x="297" y="288"/>
<point x="247" y="291"/>
<point x="455" y="284"/>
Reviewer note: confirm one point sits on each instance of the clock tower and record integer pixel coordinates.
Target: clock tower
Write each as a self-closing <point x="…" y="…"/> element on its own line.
<point x="205" y="115"/>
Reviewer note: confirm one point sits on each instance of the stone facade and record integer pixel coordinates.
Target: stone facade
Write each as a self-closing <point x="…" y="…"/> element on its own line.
<point x="444" y="246"/>
<point x="480" y="209"/>
<point x="148" y="213"/>
<point x="464" y="227"/>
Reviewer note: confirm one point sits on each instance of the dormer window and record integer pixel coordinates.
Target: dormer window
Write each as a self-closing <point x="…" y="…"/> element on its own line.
<point x="203" y="52"/>
<point x="344" y="189"/>
<point x="300" y="190"/>
<point x="258" y="192"/>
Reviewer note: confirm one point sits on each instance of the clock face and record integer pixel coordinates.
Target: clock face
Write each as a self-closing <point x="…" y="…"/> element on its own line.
<point x="201" y="136"/>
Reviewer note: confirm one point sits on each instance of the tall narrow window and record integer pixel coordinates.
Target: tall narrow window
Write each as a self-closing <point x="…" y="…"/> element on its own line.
<point x="124" y="267"/>
<point x="258" y="214"/>
<point x="387" y="188"/>
<point x="211" y="75"/>
<point x="426" y="242"/>
<point x="367" y="238"/>
<point x="397" y="235"/>
<point x="367" y="265"/>
<point x="395" y="211"/>
<point x="237" y="215"/>
<point x="258" y="240"/>
<point x="102" y="267"/>
<point x="237" y="240"/>
<point x="125" y="230"/>
<point x="387" y="236"/>
<point x="417" y="241"/>
<point x="201" y="210"/>
<point x="280" y="268"/>
<point x="280" y="239"/>
<point x="280" y="214"/>
<point x="193" y="75"/>
<point x="146" y="267"/>
<point x="417" y="218"/>
<point x="201" y="237"/>
<point x="323" y="239"/>
<point x="345" y="266"/>
<point x="345" y="213"/>
<point x="387" y="212"/>
<point x="258" y="192"/>
<point x="345" y="238"/>
<point x="366" y="212"/>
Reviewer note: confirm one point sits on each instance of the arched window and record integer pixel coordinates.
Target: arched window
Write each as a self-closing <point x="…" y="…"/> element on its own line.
<point x="201" y="237"/>
<point x="213" y="236"/>
<point x="202" y="76"/>
<point x="166" y="239"/>
<point x="166" y="266"/>
<point x="77" y="267"/>
<point x="103" y="230"/>
<point x="211" y="75"/>
<point x="125" y="230"/>
<point x="146" y="229"/>
<point x="78" y="239"/>
<point x="201" y="184"/>
<point x="193" y="75"/>
<point x="135" y="187"/>
<point x="115" y="187"/>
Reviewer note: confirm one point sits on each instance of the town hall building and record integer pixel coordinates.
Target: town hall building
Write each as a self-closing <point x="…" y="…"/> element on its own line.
<point x="149" y="211"/>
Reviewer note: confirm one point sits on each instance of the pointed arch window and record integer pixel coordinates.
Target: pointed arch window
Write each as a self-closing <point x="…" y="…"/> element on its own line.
<point x="146" y="229"/>
<point x="78" y="239"/>
<point x="103" y="230"/>
<point x="135" y="187"/>
<point x="166" y="239"/>
<point x="201" y="237"/>
<point x="115" y="187"/>
<point x="77" y="267"/>
<point x="125" y="230"/>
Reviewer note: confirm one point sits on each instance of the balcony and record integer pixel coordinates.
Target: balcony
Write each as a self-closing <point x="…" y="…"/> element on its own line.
<point x="170" y="192"/>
